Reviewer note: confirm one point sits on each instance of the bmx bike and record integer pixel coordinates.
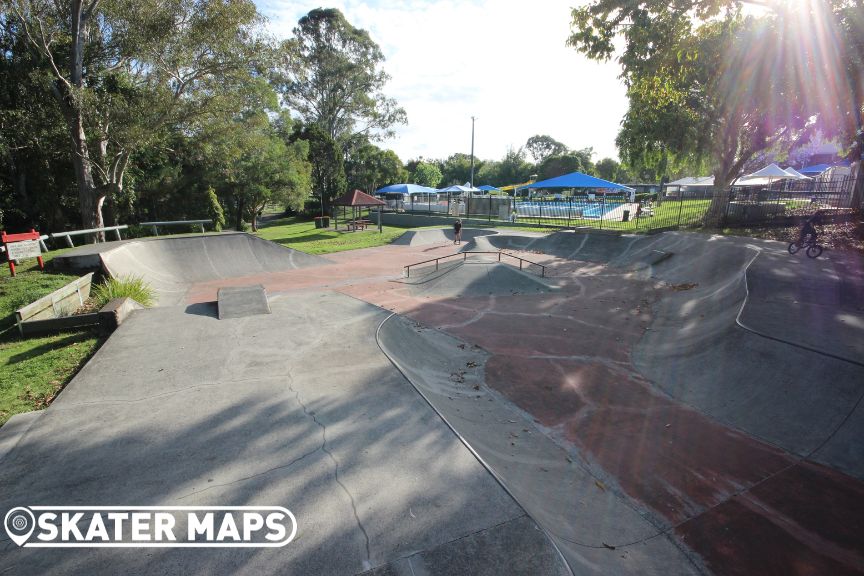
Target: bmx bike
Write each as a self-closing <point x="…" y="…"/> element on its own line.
<point x="814" y="250"/>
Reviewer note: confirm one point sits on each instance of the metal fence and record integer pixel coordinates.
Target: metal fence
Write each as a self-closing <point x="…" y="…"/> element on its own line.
<point x="778" y="204"/>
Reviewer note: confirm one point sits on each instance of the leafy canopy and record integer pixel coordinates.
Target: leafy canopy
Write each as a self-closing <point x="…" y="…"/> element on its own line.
<point x="330" y="73"/>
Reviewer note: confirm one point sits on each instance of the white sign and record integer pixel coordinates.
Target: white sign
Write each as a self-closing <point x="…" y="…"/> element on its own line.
<point x="25" y="249"/>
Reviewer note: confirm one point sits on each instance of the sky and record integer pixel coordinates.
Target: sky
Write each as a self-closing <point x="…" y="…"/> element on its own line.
<point x="504" y="63"/>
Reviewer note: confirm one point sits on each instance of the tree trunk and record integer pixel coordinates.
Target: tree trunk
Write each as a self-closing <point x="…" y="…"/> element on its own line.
<point x="857" y="200"/>
<point x="89" y="199"/>
<point x="238" y="221"/>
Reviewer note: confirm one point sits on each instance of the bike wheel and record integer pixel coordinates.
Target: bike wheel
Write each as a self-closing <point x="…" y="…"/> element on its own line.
<point x="794" y="247"/>
<point x="814" y="251"/>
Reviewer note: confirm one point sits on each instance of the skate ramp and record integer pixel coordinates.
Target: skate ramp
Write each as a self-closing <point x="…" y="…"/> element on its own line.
<point x="617" y="250"/>
<point x="475" y="278"/>
<point x="172" y="265"/>
<point x="768" y="363"/>
<point x="439" y="236"/>
<point x="585" y="519"/>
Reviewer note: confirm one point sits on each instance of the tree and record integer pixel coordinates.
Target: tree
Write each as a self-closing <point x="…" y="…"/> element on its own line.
<point x="513" y="169"/>
<point x="124" y="70"/>
<point x="541" y="147"/>
<point x="330" y="72"/>
<point x="457" y="169"/>
<point x="696" y="93"/>
<point x="328" y="167"/>
<point x="571" y="161"/>
<point x="607" y="169"/>
<point x="426" y="175"/>
<point x="369" y="168"/>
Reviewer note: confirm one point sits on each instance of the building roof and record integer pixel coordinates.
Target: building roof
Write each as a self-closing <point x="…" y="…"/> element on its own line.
<point x="357" y="198"/>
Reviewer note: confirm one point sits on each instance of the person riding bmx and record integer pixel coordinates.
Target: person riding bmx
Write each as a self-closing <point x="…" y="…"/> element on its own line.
<point x="809" y="229"/>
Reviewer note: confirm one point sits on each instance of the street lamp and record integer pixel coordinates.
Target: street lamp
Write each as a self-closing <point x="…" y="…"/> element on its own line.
<point x="472" y="150"/>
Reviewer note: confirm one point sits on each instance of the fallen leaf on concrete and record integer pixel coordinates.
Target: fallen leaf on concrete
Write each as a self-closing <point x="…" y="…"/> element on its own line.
<point x="600" y="485"/>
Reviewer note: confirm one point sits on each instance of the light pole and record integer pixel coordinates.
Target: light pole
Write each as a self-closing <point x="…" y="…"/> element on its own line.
<point x="472" y="151"/>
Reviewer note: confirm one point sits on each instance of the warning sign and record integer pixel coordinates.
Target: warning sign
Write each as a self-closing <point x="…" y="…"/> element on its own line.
<point x="25" y="249"/>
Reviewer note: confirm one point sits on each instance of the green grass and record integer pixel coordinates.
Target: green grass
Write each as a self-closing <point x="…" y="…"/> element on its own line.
<point x="303" y="236"/>
<point x="33" y="371"/>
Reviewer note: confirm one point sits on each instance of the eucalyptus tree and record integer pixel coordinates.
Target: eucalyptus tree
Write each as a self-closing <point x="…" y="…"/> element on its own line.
<point x="331" y="73"/>
<point x="542" y="146"/>
<point x="124" y="70"/>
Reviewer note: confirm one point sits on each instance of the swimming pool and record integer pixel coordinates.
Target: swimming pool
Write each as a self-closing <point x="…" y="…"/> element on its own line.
<point x="577" y="209"/>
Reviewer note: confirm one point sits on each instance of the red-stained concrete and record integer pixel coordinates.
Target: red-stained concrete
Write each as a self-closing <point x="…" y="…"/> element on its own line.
<point x="807" y="520"/>
<point x="564" y="356"/>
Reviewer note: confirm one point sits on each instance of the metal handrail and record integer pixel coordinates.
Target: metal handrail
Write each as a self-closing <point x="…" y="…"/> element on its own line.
<point x="465" y="257"/>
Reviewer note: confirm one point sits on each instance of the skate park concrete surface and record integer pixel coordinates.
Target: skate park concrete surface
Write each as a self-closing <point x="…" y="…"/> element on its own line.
<point x="667" y="404"/>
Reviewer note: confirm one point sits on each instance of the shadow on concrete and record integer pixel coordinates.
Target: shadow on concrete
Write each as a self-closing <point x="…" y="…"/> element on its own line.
<point x="208" y="309"/>
<point x="261" y="412"/>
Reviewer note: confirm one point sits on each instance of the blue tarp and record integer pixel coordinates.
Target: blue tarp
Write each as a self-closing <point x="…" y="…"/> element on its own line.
<point x="819" y="168"/>
<point x="404" y="189"/>
<point x="815" y="169"/>
<point x="487" y="188"/>
<point x="576" y="180"/>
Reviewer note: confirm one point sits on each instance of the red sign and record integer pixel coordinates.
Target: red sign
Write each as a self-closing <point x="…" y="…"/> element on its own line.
<point x="23" y="237"/>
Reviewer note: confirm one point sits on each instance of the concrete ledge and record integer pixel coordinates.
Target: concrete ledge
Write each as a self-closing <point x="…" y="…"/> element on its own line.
<point x="115" y="313"/>
<point x="108" y="319"/>
<point x="54" y="325"/>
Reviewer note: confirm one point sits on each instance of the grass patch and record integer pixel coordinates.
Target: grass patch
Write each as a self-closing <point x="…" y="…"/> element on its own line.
<point x="130" y="286"/>
<point x="33" y="371"/>
<point x="303" y="236"/>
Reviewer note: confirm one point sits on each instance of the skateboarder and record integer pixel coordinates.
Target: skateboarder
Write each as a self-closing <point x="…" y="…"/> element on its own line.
<point x="457" y="232"/>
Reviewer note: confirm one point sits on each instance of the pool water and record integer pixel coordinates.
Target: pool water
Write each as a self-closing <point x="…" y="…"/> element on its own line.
<point x="591" y="210"/>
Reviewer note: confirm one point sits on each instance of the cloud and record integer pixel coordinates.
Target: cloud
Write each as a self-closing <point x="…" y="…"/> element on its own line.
<point x="504" y="62"/>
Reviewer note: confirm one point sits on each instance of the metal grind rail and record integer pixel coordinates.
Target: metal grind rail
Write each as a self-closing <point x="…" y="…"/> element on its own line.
<point x="464" y="255"/>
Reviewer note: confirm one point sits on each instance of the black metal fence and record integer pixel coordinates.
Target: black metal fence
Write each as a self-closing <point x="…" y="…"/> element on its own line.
<point x="781" y="202"/>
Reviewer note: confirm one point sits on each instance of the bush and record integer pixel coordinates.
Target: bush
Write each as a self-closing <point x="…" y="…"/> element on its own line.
<point x="131" y="286"/>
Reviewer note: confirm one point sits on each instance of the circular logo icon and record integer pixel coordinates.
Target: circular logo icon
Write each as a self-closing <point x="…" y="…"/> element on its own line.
<point x="19" y="523"/>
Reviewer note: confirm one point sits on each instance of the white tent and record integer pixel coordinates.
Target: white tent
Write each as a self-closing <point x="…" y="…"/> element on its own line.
<point x="694" y="181"/>
<point x="764" y="177"/>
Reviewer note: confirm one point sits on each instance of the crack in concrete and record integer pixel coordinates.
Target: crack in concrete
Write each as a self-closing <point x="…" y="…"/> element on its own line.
<point x="368" y="562"/>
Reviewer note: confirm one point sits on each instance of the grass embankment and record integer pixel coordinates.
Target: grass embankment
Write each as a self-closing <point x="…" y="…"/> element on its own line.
<point x="303" y="236"/>
<point x="33" y="371"/>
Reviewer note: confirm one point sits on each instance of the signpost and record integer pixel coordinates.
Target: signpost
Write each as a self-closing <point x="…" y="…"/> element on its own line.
<point x="20" y="246"/>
